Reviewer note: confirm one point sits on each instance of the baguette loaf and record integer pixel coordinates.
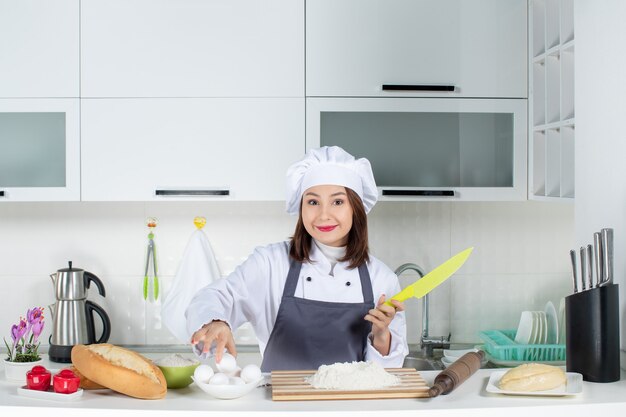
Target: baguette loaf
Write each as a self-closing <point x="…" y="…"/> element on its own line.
<point x="120" y="369"/>
<point x="533" y="377"/>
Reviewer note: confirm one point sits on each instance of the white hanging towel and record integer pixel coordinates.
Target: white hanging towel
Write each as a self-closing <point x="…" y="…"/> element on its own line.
<point x="197" y="269"/>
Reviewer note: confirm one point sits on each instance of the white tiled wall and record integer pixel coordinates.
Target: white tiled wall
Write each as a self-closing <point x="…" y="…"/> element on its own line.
<point x="520" y="259"/>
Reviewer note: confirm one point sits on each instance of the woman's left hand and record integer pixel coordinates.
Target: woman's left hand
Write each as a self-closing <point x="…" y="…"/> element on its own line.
<point x="381" y="317"/>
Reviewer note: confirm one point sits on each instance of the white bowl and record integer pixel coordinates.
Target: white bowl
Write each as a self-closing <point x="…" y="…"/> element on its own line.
<point x="457" y="353"/>
<point x="447" y="361"/>
<point x="228" y="392"/>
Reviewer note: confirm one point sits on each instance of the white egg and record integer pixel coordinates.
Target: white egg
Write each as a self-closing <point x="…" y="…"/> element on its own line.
<point x="235" y="380"/>
<point x="203" y="373"/>
<point x="251" y="373"/>
<point x="219" y="379"/>
<point x="227" y="365"/>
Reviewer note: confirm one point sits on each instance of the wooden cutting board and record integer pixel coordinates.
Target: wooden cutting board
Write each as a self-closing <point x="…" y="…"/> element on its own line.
<point x="291" y="386"/>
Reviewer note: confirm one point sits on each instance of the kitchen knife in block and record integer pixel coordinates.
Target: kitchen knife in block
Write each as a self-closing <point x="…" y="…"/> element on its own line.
<point x="430" y="281"/>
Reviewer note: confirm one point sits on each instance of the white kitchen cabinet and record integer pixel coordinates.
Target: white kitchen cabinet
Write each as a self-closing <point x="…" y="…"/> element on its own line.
<point x="478" y="48"/>
<point x="192" y="48"/>
<point x="551" y="100"/>
<point x="445" y="149"/>
<point x="39" y="48"/>
<point x="210" y="148"/>
<point x="39" y="150"/>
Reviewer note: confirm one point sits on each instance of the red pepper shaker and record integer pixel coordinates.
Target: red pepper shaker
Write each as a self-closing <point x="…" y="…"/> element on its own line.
<point x="65" y="382"/>
<point x="38" y="378"/>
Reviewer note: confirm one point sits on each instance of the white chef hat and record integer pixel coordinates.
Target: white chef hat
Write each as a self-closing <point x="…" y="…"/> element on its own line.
<point x="330" y="165"/>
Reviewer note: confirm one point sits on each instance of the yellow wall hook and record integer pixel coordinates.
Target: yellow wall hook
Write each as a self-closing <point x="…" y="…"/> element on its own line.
<point x="199" y="222"/>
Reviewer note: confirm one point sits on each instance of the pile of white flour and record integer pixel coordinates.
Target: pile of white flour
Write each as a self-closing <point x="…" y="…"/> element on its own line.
<point x="175" y="360"/>
<point x="349" y="376"/>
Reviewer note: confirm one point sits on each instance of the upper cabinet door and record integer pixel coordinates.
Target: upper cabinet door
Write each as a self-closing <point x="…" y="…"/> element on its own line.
<point x="192" y="48"/>
<point x="205" y="148"/>
<point x="39" y="48"/>
<point x="473" y="48"/>
<point x="39" y="149"/>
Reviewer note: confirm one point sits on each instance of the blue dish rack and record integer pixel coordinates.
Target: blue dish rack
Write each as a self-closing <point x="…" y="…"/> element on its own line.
<point x="501" y="345"/>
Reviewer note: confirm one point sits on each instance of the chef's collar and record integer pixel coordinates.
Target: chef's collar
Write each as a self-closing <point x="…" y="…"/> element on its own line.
<point x="332" y="253"/>
<point x="326" y="257"/>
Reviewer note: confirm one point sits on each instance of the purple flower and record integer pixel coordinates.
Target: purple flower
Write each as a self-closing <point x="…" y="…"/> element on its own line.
<point x="35" y="315"/>
<point x="19" y="330"/>
<point x="24" y="342"/>
<point x="14" y="333"/>
<point x="37" y="329"/>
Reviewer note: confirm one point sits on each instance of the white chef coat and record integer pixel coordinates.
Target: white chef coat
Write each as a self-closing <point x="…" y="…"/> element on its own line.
<point x="253" y="292"/>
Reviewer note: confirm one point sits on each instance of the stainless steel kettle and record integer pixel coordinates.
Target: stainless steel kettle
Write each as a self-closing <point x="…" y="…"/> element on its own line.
<point x="73" y="314"/>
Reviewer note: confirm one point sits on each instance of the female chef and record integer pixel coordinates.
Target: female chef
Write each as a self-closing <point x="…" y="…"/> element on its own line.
<point x="318" y="298"/>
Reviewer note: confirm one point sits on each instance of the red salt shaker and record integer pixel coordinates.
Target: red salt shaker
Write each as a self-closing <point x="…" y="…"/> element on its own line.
<point x="38" y="378"/>
<point x="65" y="382"/>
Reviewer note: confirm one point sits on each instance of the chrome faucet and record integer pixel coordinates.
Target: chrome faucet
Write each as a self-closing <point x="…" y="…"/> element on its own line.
<point x="427" y="343"/>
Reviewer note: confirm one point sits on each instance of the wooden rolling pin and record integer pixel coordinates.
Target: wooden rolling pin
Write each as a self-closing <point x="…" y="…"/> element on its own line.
<point x="456" y="374"/>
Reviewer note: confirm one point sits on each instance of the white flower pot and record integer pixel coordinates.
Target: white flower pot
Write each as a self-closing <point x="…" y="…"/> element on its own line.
<point x="16" y="371"/>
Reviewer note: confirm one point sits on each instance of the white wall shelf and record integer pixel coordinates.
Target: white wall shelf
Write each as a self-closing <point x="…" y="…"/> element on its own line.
<point x="551" y="100"/>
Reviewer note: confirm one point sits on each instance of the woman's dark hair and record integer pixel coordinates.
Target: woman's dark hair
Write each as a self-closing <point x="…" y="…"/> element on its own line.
<point x="357" y="249"/>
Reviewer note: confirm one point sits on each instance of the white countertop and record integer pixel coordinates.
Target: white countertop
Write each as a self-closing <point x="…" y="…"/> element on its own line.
<point x="469" y="399"/>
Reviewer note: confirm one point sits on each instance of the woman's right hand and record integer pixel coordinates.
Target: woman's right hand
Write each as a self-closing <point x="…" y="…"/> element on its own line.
<point x="219" y="332"/>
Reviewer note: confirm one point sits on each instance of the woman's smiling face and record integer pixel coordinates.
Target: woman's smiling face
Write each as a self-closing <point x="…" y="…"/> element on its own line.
<point x="327" y="214"/>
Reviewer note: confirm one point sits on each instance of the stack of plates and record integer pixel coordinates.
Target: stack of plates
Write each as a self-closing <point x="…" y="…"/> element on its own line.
<point x="540" y="327"/>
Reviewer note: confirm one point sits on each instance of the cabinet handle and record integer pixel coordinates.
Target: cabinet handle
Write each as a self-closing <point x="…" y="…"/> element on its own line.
<point x="192" y="192"/>
<point x="417" y="87"/>
<point x="419" y="193"/>
<point x="1" y="193"/>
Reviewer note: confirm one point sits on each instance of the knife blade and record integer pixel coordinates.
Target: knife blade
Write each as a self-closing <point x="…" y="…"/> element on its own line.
<point x="599" y="254"/>
<point x="430" y="281"/>
<point x="583" y="267"/>
<point x="590" y="266"/>
<point x="607" y="258"/>
<point x="572" y="255"/>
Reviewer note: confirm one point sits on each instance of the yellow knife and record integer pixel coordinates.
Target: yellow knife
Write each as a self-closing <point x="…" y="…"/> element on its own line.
<point x="430" y="281"/>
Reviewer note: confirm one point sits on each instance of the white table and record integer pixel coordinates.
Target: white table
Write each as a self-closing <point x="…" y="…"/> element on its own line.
<point x="469" y="399"/>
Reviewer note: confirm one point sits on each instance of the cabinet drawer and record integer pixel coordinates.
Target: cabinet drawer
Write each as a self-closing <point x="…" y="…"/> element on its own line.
<point x="192" y="48"/>
<point x="477" y="47"/>
<point x="39" y="150"/>
<point x="218" y="149"/>
<point x="39" y="48"/>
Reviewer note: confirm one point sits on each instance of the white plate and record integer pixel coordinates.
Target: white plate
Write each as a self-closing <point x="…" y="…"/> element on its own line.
<point x="49" y="395"/>
<point x="553" y="323"/>
<point x="536" y="330"/>
<point x="227" y="392"/>
<point x="574" y="386"/>
<point x="525" y="328"/>
<point x="561" y="333"/>
<point x="542" y="325"/>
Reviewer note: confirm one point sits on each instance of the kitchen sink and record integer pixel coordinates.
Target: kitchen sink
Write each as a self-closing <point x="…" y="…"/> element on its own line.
<point x="422" y="364"/>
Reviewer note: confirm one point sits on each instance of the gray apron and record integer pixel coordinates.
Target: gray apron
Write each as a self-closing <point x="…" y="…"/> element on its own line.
<point x="310" y="333"/>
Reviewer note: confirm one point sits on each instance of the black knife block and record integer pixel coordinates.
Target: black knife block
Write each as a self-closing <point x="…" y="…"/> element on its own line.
<point x="592" y="334"/>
